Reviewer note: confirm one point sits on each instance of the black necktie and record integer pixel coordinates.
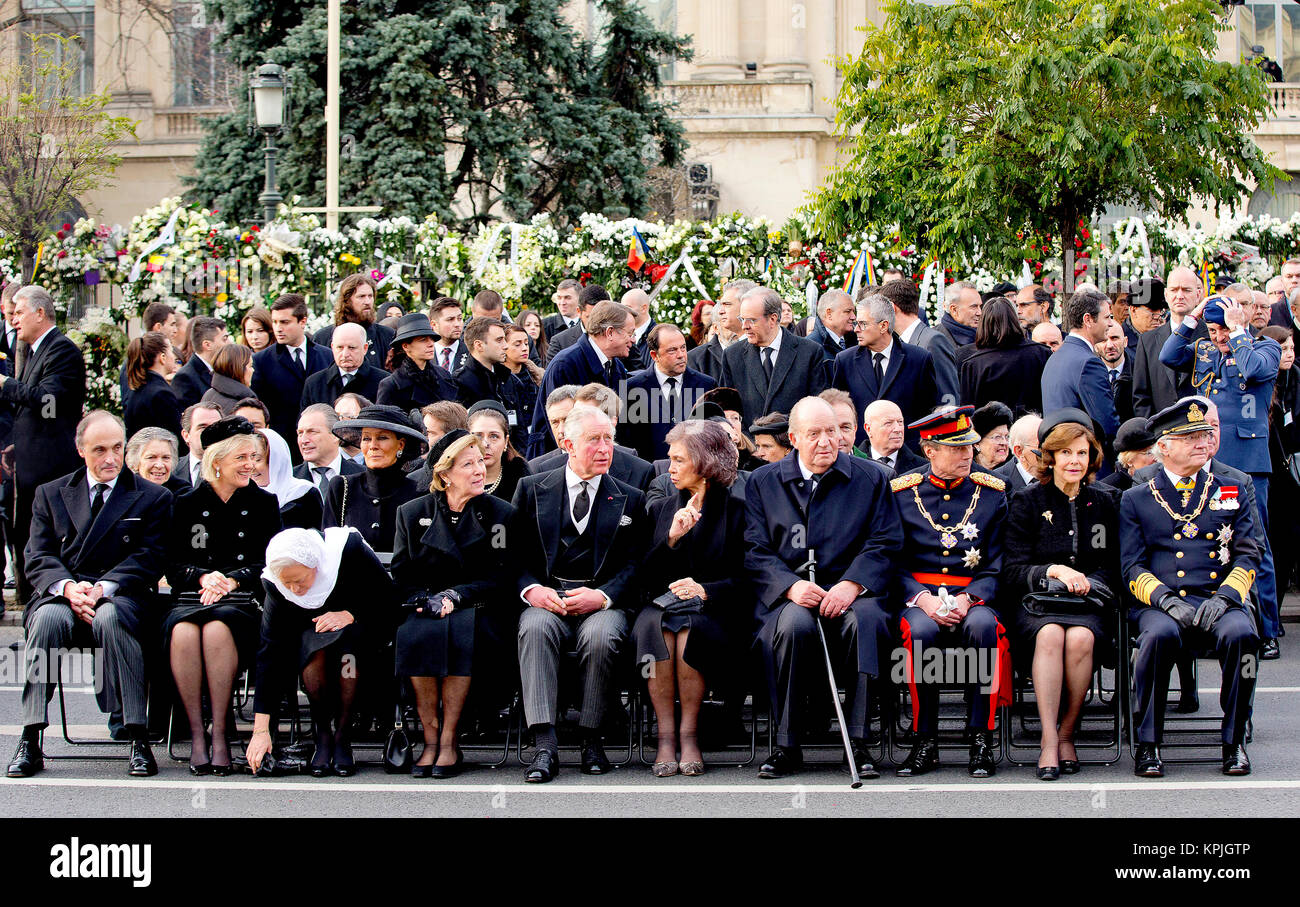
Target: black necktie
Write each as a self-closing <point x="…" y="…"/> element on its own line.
<point x="346" y="378"/>
<point x="878" y="363"/>
<point x="886" y="461"/>
<point x="674" y="408"/>
<point x="322" y="479"/>
<point x="581" y="504"/>
<point x="609" y="372"/>
<point x="297" y="358"/>
<point x="767" y="362"/>
<point x="1114" y="376"/>
<point x="97" y="500"/>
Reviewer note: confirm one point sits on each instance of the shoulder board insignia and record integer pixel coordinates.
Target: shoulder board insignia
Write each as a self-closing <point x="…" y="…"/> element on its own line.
<point x="988" y="481"/>
<point x="902" y="483"/>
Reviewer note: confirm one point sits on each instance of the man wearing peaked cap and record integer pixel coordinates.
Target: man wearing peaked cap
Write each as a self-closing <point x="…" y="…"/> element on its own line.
<point x="1189" y="555"/>
<point x="1237" y="373"/>
<point x="947" y="583"/>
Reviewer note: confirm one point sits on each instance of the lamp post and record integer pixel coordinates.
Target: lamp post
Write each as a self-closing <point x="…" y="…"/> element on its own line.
<point x="266" y="92"/>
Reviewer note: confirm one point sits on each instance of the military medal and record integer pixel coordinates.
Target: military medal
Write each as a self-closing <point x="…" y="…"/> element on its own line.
<point x="968" y="531"/>
<point x="948" y="534"/>
<point x="948" y="539"/>
<point x="1190" y="529"/>
<point x="972" y="558"/>
<point x="1187" y="520"/>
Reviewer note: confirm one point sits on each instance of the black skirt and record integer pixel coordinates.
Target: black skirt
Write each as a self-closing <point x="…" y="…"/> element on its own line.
<point x="1025" y="627"/>
<point x="707" y="649"/>
<point x="243" y="618"/>
<point x="465" y="642"/>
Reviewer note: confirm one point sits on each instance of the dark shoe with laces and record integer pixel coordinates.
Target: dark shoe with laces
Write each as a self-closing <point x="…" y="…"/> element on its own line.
<point x="1270" y="650"/>
<point x="862" y="759"/>
<point x="981" y="756"/>
<point x="1147" y="762"/>
<point x="594" y="760"/>
<point x="141" y="764"/>
<point x="544" y="767"/>
<point x="782" y="761"/>
<point x="27" y="761"/>
<point x="923" y="758"/>
<point x="1235" y="760"/>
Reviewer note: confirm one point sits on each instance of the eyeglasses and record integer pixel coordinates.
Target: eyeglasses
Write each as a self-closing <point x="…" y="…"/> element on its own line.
<point x="859" y="325"/>
<point x="751" y="321"/>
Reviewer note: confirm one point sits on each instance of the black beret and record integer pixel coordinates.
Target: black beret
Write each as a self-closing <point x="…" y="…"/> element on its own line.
<point x="1063" y="417"/>
<point x="1135" y="434"/>
<point x="440" y="446"/>
<point x="225" y="428"/>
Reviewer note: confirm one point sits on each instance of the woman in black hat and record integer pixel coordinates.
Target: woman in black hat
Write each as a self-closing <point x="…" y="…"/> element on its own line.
<point x="457" y="580"/>
<point x="215" y="559"/>
<point x="1133" y="443"/>
<point x="993" y="425"/>
<point x="489" y="422"/>
<point x="416" y="381"/>
<point x="368" y="501"/>
<point x="1062" y="536"/>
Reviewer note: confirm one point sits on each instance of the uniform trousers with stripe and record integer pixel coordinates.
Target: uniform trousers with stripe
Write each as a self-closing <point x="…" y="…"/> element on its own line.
<point x="976" y="635"/>
<point x="120" y="680"/>
<point x="598" y="637"/>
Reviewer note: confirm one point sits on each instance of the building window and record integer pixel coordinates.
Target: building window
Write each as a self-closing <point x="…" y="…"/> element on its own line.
<point x="200" y="72"/>
<point x="68" y="19"/>
<point x="1275" y="27"/>
<point x="1281" y="203"/>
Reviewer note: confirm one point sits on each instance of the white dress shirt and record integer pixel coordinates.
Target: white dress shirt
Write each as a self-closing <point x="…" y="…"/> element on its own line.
<point x="108" y="586"/>
<point x="573" y="482"/>
<point x="912" y="330"/>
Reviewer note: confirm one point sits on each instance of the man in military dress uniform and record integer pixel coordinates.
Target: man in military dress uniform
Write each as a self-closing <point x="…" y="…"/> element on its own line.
<point x="1237" y="373"/>
<point x="947" y="585"/>
<point x="1189" y="554"/>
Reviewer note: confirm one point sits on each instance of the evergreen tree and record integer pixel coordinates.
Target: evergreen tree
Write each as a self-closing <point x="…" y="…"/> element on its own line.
<point x="464" y="110"/>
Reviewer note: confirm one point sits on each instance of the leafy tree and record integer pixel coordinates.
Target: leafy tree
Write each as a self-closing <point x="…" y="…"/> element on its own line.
<point x="55" y="143"/>
<point x="984" y="126"/>
<point x="462" y="109"/>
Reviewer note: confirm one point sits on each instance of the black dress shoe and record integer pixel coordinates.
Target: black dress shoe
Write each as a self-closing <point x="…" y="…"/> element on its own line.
<point x="225" y="771"/>
<point x="1270" y="650"/>
<point x="322" y="757"/>
<point x="199" y="771"/>
<point x="923" y="758"/>
<point x="1049" y="772"/>
<point x="981" y="756"/>
<point x="1235" y="760"/>
<point x="594" y="760"/>
<point x="1147" y="763"/>
<point x="344" y="765"/>
<point x="1069" y="766"/>
<point x="862" y="759"/>
<point x="780" y="762"/>
<point x="1188" y="701"/>
<point x="27" y="761"/>
<point x="544" y="767"/>
<point x="140" y="764"/>
<point x="449" y="771"/>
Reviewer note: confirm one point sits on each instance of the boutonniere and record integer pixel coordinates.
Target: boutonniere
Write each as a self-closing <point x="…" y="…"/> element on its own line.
<point x="625" y="520"/>
<point x="1047" y="515"/>
<point x="426" y="521"/>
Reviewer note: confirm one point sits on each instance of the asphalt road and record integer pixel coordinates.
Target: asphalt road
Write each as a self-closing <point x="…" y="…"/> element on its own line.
<point x="82" y="789"/>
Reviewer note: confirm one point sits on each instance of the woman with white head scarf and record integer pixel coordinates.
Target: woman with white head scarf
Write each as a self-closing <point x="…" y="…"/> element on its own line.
<point x="329" y="604"/>
<point x="298" y="507"/>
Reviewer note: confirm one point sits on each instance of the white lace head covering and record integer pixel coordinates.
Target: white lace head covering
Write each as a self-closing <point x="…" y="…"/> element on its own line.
<point x="282" y="482"/>
<point x="322" y="553"/>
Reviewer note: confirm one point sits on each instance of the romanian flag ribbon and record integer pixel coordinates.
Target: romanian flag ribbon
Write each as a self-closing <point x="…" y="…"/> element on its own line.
<point x="639" y="252"/>
<point x="1207" y="278"/>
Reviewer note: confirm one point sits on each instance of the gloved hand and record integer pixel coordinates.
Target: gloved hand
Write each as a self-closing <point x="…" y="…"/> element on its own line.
<point x="1208" y="614"/>
<point x="1182" y="613"/>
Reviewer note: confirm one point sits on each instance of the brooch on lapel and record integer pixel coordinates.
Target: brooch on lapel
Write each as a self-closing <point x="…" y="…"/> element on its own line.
<point x="625" y="520"/>
<point x="1047" y="515"/>
<point x="426" y="521"/>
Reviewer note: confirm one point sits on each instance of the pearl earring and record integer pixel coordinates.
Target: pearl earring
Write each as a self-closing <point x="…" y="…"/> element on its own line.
<point x="218" y="471"/>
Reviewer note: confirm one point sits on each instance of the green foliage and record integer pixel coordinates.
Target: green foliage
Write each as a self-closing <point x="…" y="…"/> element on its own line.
<point x="987" y="127"/>
<point x="454" y="108"/>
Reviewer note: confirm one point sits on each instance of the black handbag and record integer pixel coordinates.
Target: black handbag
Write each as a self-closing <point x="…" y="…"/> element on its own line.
<point x="671" y="604"/>
<point x="397" y="748"/>
<point x="1045" y="604"/>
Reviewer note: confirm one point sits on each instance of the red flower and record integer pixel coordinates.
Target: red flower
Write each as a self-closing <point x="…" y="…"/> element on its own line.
<point x="63" y="253"/>
<point x="255" y="228"/>
<point x="59" y="233"/>
<point x="67" y="226"/>
<point x="584" y="277"/>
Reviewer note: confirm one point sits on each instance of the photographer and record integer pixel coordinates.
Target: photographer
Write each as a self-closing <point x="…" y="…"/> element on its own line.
<point x="451" y="540"/>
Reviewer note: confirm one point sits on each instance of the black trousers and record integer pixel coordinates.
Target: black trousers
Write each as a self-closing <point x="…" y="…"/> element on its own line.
<point x="977" y="672"/>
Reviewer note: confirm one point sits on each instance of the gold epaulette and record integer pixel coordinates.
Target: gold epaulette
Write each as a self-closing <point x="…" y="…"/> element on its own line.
<point x="902" y="483"/>
<point x="1143" y="586"/>
<point x="988" y="481"/>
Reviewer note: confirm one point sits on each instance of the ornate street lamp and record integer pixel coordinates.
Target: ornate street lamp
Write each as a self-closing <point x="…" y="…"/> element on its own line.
<point x="267" y="103"/>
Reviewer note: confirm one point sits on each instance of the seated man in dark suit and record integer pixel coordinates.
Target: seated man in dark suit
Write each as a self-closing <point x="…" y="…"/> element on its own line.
<point x="882" y="367"/>
<point x="1022" y="466"/>
<point x="774" y="370"/>
<point x="627" y="467"/>
<point x="349" y="373"/>
<point x="193" y="421"/>
<point x="579" y="534"/>
<point x="281" y="370"/>
<point x="657" y="398"/>
<point x="823" y="509"/>
<point x="596" y="357"/>
<point x="94" y="557"/>
<point x="191" y="381"/>
<point x="886" y="429"/>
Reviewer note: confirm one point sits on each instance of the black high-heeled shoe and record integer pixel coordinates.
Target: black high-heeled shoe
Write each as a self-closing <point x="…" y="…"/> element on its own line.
<point x="1049" y="772"/>
<point x="322" y="757"/>
<point x="1069" y="766"/>
<point x="344" y="766"/>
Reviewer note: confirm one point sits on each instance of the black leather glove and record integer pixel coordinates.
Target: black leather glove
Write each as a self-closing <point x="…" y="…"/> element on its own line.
<point x="1182" y="613"/>
<point x="1208" y="614"/>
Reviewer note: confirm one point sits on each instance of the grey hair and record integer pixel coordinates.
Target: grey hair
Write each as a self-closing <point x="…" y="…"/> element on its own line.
<point x="741" y="286"/>
<point x="577" y="416"/>
<point x="769" y="297"/>
<point x="1158" y="449"/>
<point x="328" y="412"/>
<point x="91" y="418"/>
<point x="829" y="298"/>
<point x="879" y="308"/>
<point x="142" y="439"/>
<point x="607" y="316"/>
<point x="1024" y="431"/>
<point x="561" y="393"/>
<point x="37" y="298"/>
<point x="710" y="449"/>
<point x="955" y="289"/>
<point x="1293" y="300"/>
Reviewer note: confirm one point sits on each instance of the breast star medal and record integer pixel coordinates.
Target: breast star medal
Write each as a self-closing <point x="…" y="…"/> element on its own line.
<point x="971" y="558"/>
<point x="1225" y="536"/>
<point x="948" y="539"/>
<point x="969" y="531"/>
<point x="1190" y="529"/>
<point x="1047" y="515"/>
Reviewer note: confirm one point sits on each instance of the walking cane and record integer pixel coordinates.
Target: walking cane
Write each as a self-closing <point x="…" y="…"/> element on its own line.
<point x="856" y="781"/>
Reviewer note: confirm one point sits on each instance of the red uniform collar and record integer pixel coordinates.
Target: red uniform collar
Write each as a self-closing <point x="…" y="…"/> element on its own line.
<point x="946" y="484"/>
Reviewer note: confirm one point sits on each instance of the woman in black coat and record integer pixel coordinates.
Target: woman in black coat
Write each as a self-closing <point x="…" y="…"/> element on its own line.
<point x="698" y="551"/>
<point x="505" y="467"/>
<point x="1004" y="364"/>
<point x="151" y="404"/>
<point x="447" y="550"/>
<point x="1063" y="536"/>
<point x="416" y="381"/>
<point x="232" y="372"/>
<point x="215" y="560"/>
<point x="368" y="501"/>
<point x="1283" y="443"/>
<point x="329" y="607"/>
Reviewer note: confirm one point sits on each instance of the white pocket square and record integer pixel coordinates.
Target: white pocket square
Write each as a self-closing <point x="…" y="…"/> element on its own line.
<point x="426" y="521"/>
<point x="625" y="520"/>
<point x="129" y="519"/>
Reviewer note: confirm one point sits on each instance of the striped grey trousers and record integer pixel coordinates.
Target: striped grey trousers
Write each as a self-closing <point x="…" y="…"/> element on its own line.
<point x="543" y="635"/>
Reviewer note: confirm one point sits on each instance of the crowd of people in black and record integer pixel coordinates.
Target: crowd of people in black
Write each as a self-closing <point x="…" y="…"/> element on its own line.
<point x="426" y="513"/>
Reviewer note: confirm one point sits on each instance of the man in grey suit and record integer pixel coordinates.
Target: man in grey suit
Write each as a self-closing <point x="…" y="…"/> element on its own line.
<point x="1155" y="385"/>
<point x="775" y="369"/>
<point x="906" y="299"/>
<point x="1021" y="469"/>
<point x="707" y="358"/>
